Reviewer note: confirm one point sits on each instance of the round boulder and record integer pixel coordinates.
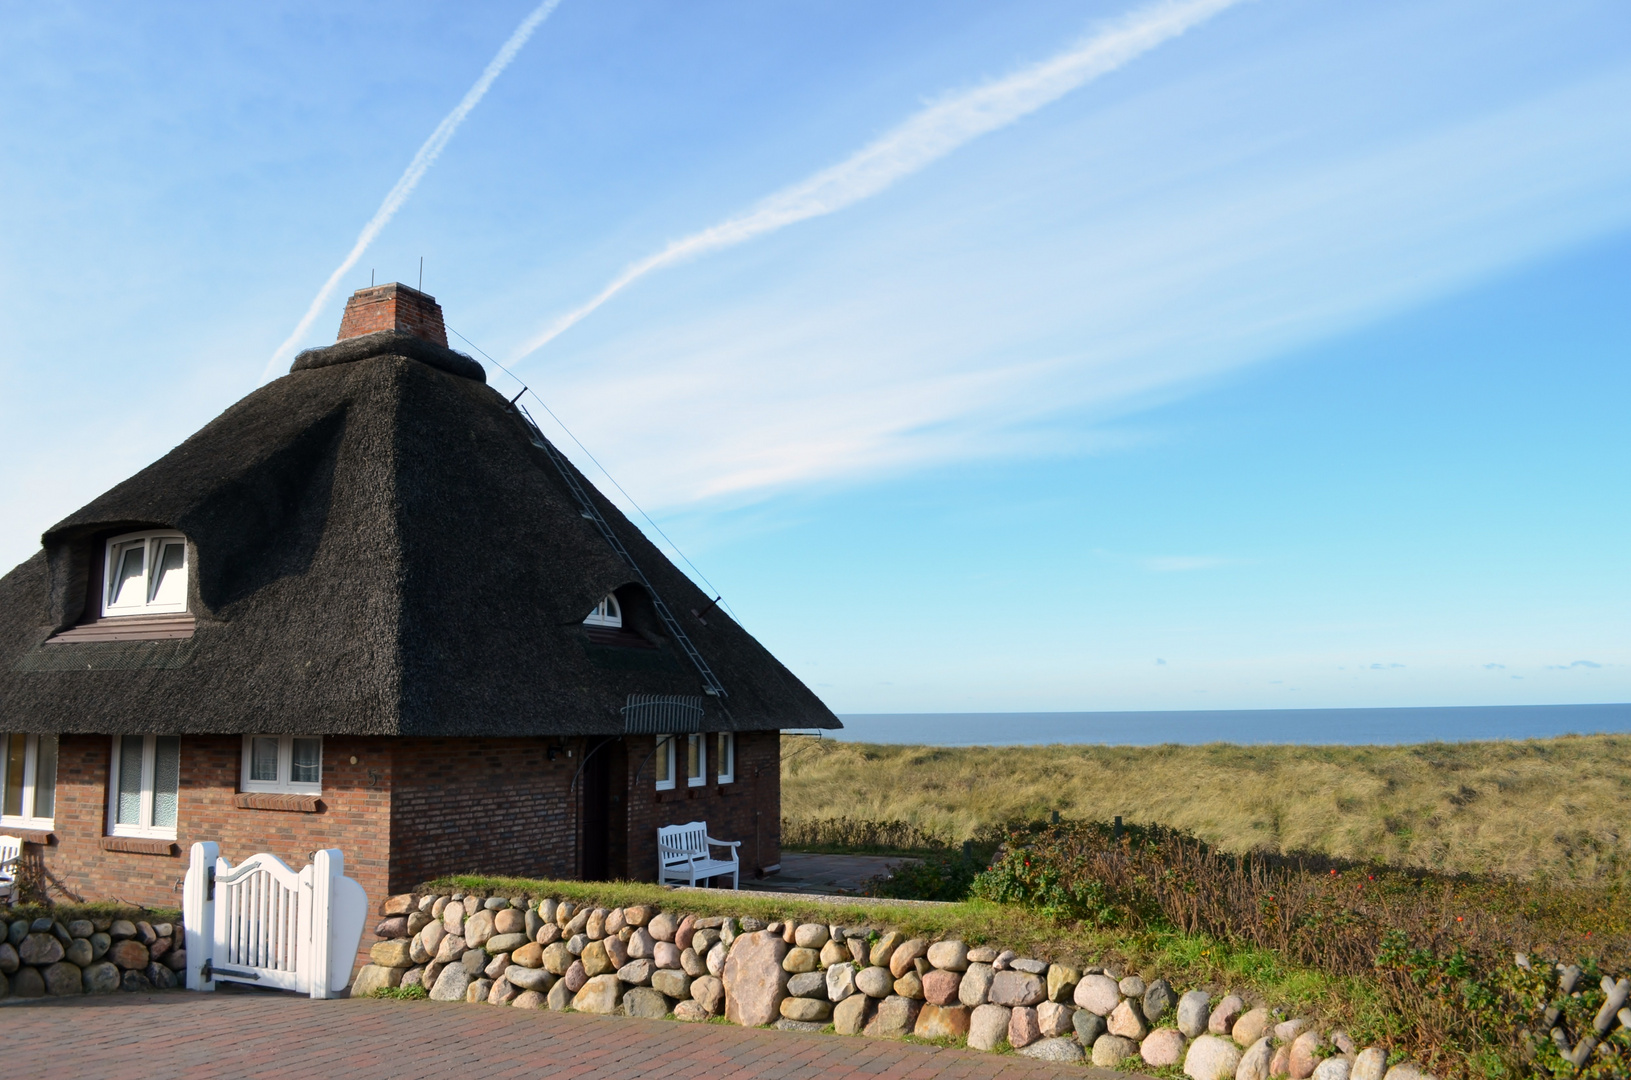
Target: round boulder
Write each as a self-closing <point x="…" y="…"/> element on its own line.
<point x="101" y="977"/>
<point x="63" y="979"/>
<point x="1211" y="1058"/>
<point x="1111" y="1050"/>
<point x="1164" y="1046"/>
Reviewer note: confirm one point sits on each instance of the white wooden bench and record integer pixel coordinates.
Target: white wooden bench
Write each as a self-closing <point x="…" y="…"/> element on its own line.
<point x="684" y="853"/>
<point x="11" y="850"/>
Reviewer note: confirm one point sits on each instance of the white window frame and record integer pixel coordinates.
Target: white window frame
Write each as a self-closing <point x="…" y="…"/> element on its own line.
<point x="700" y="744"/>
<point x="607" y="613"/>
<point x="285" y="768"/>
<point x="145" y="830"/>
<point x="665" y="780"/>
<point x="727" y="757"/>
<point x="31" y="764"/>
<point x="154" y="540"/>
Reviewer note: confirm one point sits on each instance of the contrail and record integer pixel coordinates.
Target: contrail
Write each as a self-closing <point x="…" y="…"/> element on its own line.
<point x="410" y="178"/>
<point x="922" y="139"/>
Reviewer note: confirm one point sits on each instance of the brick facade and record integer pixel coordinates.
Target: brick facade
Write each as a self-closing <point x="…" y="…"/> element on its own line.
<point x="408" y="810"/>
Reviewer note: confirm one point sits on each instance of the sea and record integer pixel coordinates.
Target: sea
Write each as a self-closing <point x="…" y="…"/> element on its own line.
<point x="1310" y="727"/>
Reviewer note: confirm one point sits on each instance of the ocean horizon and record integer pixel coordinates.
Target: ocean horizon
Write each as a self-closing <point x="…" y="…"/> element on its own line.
<point x="1306" y="727"/>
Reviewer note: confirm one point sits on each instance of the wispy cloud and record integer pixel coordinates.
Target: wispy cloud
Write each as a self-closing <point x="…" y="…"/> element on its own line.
<point x="421" y="163"/>
<point x="924" y="138"/>
<point x="1588" y="664"/>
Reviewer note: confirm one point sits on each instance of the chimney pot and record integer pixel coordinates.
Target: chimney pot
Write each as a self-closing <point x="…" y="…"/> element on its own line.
<point x="393" y="307"/>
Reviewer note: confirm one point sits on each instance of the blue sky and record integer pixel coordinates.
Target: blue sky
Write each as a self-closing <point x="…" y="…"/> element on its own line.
<point x="1275" y="357"/>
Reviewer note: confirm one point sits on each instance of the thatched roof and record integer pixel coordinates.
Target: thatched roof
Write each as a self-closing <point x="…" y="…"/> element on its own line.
<point x="377" y="547"/>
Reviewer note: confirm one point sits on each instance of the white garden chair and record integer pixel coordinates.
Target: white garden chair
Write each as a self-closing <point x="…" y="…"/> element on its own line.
<point x="11" y="850"/>
<point x="685" y="853"/>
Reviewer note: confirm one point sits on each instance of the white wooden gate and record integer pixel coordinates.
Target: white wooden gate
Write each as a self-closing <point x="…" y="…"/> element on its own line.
<point x="262" y="922"/>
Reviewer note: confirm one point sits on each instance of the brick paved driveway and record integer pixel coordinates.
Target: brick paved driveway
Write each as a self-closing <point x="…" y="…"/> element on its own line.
<point x="262" y="1035"/>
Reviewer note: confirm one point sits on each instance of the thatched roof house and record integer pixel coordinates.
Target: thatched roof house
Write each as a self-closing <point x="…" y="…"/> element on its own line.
<point x="378" y="567"/>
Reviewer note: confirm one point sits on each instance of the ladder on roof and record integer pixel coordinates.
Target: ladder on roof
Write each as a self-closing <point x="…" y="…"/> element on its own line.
<point x="587" y="505"/>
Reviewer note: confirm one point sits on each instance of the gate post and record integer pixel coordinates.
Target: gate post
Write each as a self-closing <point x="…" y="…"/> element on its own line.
<point x="327" y="865"/>
<point x="198" y="912"/>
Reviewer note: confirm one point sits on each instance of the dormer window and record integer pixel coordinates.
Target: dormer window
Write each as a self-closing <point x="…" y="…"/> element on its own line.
<point x="606" y="613"/>
<point x="145" y="574"/>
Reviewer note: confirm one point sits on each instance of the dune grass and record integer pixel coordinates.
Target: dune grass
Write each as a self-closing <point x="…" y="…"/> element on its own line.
<point x="1550" y="809"/>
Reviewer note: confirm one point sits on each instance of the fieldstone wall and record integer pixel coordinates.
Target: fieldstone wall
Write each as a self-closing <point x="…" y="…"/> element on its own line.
<point x="92" y="954"/>
<point x="547" y="953"/>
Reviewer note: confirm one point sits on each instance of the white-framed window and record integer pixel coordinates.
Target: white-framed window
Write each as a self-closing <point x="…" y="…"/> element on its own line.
<point x="663" y="766"/>
<point x="144" y="785"/>
<point x="725" y="756"/>
<point x="283" y="763"/>
<point x="696" y="760"/>
<point x="28" y="780"/>
<point x="607" y="613"/>
<point x="145" y="574"/>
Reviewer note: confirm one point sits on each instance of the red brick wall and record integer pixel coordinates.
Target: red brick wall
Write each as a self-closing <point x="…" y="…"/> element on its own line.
<point x="748" y="810"/>
<point x="494" y="806"/>
<point x="393" y="307"/>
<point x="353" y="817"/>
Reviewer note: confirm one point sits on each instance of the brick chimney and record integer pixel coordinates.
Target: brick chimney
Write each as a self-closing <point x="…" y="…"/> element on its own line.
<point x="393" y="307"/>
